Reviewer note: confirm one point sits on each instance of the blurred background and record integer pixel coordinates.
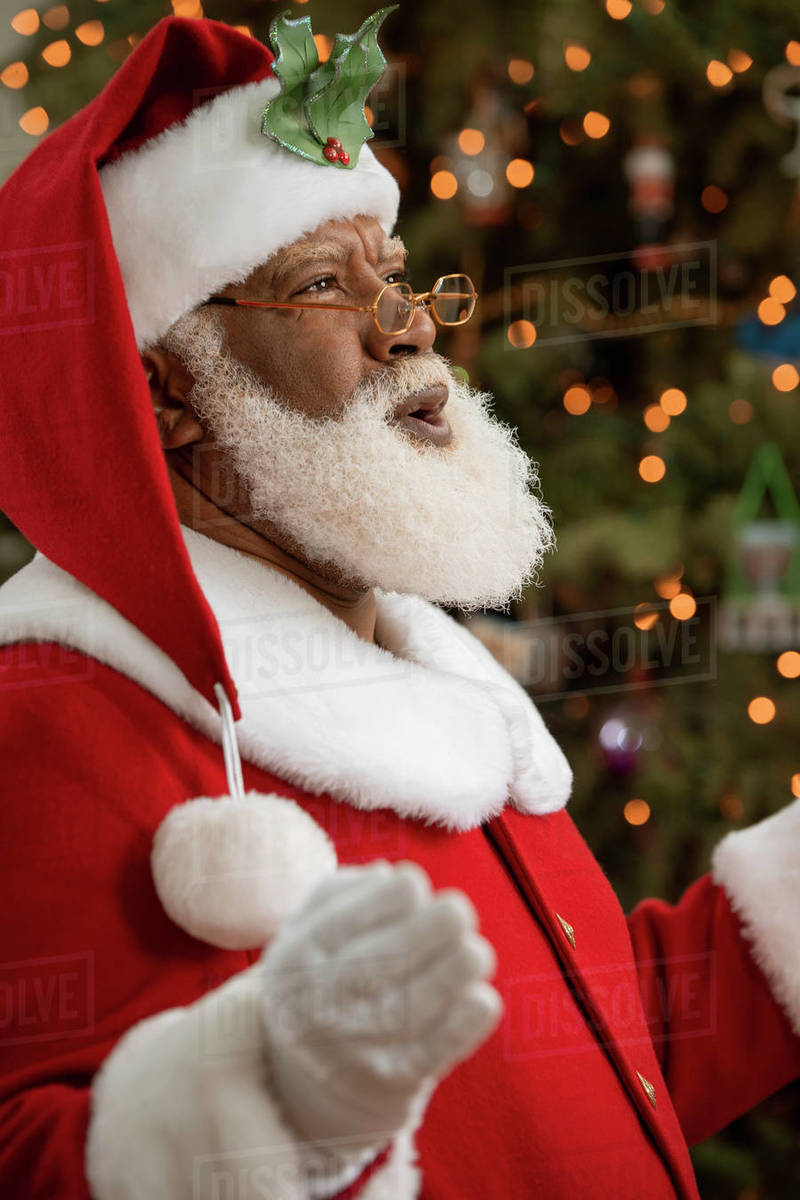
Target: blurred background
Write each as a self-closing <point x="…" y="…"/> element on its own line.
<point x="620" y="179"/>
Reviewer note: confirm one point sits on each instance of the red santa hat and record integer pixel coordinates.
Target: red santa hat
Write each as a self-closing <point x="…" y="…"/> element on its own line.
<point x="158" y="193"/>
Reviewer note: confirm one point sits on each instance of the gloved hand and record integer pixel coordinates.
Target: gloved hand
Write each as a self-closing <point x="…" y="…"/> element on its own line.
<point x="373" y="988"/>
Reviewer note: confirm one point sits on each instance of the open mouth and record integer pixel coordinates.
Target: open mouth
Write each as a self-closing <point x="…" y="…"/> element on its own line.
<point x="422" y="414"/>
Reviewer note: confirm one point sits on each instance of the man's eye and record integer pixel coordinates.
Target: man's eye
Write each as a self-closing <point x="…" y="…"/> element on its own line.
<point x="397" y="277"/>
<point x="317" y="285"/>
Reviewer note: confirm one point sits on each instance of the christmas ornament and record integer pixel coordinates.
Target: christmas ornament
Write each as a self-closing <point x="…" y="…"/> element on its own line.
<point x="761" y="606"/>
<point x="319" y="113"/>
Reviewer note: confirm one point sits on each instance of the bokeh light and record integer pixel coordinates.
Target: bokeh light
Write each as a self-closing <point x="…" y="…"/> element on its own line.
<point x="782" y="289"/>
<point x="740" y="411"/>
<point x="520" y="70"/>
<point x="520" y="172"/>
<point x="26" y="21"/>
<point x="683" y="606"/>
<point x="521" y="334"/>
<point x="652" y="468"/>
<point x="771" y="311"/>
<point x="656" y="419"/>
<point x="35" y="121"/>
<point x="673" y="401"/>
<point x="577" y="400"/>
<point x="596" y="124"/>
<point x="637" y="812"/>
<point x="788" y="664"/>
<point x="761" y="710"/>
<point x="577" y="57"/>
<point x="785" y="377"/>
<point x="444" y="185"/>
<point x="471" y="141"/>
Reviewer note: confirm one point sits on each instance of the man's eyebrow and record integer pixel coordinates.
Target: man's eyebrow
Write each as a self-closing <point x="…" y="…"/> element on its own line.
<point x="299" y="258"/>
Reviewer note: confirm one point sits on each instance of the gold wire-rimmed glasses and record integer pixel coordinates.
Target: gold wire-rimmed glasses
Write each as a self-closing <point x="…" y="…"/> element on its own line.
<point x="451" y="301"/>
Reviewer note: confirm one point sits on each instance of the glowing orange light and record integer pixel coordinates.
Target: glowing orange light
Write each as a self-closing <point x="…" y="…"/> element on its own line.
<point x="444" y="185"/>
<point x="655" y="418"/>
<point x="34" y="121"/>
<point x="520" y="172"/>
<point x="785" y="377"/>
<point x="740" y="411"/>
<point x="324" y="46"/>
<point x="26" y="21"/>
<point x="577" y="400"/>
<point x="91" y="33"/>
<point x="738" y="61"/>
<point x="521" y="334"/>
<point x="618" y="9"/>
<point x="57" y="17"/>
<point x="793" y="53"/>
<point x="667" y="586"/>
<point x="718" y="73"/>
<point x="771" y="311"/>
<point x="645" y="616"/>
<point x="673" y="401"/>
<point x="796" y="784"/>
<point x="782" y="289"/>
<point x="683" y="606"/>
<point x="15" y="75"/>
<point x="654" y="7"/>
<point x="577" y="57"/>
<point x="471" y="141"/>
<point x="652" y="468"/>
<point x="596" y="124"/>
<point x="57" y="54"/>
<point x="636" y="812"/>
<point x="788" y="664"/>
<point x="520" y="70"/>
<point x="713" y="199"/>
<point x="761" y="710"/>
<point x="245" y="29"/>
<point x="570" y="131"/>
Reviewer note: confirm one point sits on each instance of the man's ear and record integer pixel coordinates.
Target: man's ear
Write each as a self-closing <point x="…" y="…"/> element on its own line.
<point x="170" y="383"/>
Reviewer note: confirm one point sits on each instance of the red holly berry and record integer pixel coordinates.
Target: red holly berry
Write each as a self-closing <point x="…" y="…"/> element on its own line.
<point x="331" y="153"/>
<point x="334" y="141"/>
<point x="344" y="157"/>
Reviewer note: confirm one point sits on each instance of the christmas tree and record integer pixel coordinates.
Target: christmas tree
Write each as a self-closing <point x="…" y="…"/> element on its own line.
<point x="619" y="180"/>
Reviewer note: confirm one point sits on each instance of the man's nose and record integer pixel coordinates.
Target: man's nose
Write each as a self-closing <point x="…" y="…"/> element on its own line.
<point x="418" y="338"/>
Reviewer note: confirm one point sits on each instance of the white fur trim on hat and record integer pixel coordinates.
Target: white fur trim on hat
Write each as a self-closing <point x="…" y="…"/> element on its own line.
<point x="759" y="869"/>
<point x="206" y="201"/>
<point x="229" y="870"/>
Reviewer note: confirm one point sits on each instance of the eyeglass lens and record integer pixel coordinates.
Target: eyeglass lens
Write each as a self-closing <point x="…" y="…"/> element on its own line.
<point x="452" y="300"/>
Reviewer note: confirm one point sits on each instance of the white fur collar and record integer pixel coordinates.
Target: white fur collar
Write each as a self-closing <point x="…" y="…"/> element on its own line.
<point x="425" y="722"/>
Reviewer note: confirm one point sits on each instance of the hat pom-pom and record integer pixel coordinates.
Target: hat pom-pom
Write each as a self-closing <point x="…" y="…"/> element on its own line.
<point x="228" y="870"/>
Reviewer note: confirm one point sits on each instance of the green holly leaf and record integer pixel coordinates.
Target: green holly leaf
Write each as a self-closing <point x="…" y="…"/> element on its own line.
<point x="322" y="100"/>
<point x="296" y="58"/>
<point x="337" y="90"/>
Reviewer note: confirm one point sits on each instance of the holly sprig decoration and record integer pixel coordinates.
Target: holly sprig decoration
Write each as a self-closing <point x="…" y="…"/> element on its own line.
<point x="319" y="113"/>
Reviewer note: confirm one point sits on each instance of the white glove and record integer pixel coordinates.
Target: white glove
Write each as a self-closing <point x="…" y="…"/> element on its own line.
<point x="373" y="989"/>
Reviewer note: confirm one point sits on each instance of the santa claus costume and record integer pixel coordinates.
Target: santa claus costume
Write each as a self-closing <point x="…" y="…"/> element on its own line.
<point x="143" y="875"/>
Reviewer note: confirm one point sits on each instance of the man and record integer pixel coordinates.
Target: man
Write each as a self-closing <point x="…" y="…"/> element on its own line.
<point x="283" y="991"/>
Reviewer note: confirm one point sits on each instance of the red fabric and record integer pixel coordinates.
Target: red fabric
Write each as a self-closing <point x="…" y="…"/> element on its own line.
<point x="76" y="423"/>
<point x="549" y="1106"/>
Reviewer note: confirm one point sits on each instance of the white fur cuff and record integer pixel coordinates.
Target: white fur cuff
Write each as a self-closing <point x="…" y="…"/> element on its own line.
<point x="759" y="868"/>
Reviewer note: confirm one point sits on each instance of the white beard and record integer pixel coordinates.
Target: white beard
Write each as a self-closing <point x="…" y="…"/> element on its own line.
<point x="459" y="525"/>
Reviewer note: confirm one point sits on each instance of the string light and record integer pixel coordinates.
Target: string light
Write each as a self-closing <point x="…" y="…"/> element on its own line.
<point x="738" y="61"/>
<point x="520" y="172"/>
<point x="323" y="43"/>
<point x="57" y="54"/>
<point x="713" y="199"/>
<point x="673" y="401"/>
<point x="652" y="468"/>
<point x="718" y="73"/>
<point x="596" y="124"/>
<point x="793" y="53"/>
<point x="761" y="710"/>
<point x="645" y="616"/>
<point x="683" y="606"/>
<point x="618" y="9"/>
<point x="35" y="121"/>
<point x="577" y="57"/>
<point x="15" y="75"/>
<point x="740" y="411"/>
<point x="91" y="33"/>
<point x="26" y="21"/>
<point x="636" y="812"/>
<point x="788" y="664"/>
<point x="782" y="289"/>
<point x="520" y="70"/>
<point x="444" y="185"/>
<point x="656" y="419"/>
<point x="771" y="311"/>
<point x="796" y="784"/>
<point x="471" y="141"/>
<point x="785" y="378"/>
<point x="577" y="400"/>
<point x="521" y="334"/>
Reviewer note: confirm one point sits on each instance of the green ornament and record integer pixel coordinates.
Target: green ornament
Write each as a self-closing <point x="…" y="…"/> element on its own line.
<point x="321" y="105"/>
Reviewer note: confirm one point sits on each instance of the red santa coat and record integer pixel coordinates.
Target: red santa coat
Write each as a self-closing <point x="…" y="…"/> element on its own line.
<point x="622" y="1040"/>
